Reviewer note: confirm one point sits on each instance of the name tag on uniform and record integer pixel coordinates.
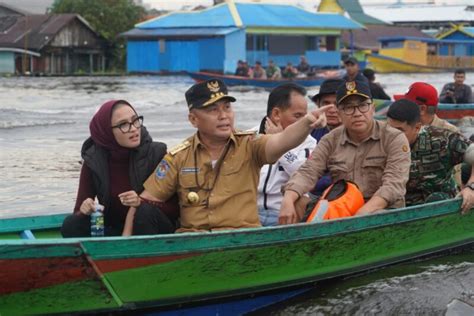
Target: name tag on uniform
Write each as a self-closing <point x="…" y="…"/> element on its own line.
<point x="190" y="170"/>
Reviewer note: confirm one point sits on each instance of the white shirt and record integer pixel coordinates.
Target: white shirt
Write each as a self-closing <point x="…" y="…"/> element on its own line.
<point x="272" y="177"/>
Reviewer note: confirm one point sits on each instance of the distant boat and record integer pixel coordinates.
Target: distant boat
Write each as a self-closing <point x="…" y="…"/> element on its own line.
<point x="232" y="80"/>
<point x="41" y="273"/>
<point x="415" y="54"/>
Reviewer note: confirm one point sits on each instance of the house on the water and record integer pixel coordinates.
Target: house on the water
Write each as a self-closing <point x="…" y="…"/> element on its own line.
<point x="461" y="33"/>
<point x="214" y="39"/>
<point x="48" y="44"/>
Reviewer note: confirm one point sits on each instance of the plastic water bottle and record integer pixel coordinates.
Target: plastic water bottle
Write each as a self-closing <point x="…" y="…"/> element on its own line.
<point x="97" y="220"/>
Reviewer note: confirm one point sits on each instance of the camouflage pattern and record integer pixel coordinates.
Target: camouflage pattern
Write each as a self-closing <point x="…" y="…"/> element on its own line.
<point x="433" y="157"/>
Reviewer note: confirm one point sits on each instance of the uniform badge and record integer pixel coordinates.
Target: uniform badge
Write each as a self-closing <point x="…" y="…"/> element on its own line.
<point x="162" y="169"/>
<point x="405" y="148"/>
<point x="351" y="87"/>
<point x="213" y="86"/>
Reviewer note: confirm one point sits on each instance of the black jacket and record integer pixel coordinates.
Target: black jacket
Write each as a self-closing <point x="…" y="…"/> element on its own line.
<point x="143" y="161"/>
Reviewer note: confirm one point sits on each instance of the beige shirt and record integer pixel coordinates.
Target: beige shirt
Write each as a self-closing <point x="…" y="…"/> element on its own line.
<point x="440" y="123"/>
<point x="379" y="165"/>
<point x="227" y="194"/>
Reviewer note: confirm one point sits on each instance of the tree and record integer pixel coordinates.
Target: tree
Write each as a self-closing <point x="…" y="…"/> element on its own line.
<point x="109" y="18"/>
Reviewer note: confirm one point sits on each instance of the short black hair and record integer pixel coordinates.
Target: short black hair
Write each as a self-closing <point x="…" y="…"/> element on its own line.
<point x="460" y="71"/>
<point x="404" y="110"/>
<point x="369" y="74"/>
<point x="280" y="96"/>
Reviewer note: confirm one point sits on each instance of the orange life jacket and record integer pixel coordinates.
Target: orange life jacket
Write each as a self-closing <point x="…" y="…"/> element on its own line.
<point x="341" y="199"/>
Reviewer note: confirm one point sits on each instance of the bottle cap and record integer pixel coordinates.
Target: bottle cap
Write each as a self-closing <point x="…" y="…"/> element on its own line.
<point x="98" y="207"/>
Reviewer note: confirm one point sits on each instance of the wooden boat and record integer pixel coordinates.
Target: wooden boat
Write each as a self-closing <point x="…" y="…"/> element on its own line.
<point x="44" y="274"/>
<point x="414" y="54"/>
<point x="451" y="112"/>
<point x="231" y="80"/>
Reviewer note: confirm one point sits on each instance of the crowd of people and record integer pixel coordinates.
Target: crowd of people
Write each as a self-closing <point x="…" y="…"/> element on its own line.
<point x="333" y="161"/>
<point x="273" y="71"/>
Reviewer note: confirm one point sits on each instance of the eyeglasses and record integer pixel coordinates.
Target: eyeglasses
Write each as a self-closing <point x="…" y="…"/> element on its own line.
<point x="125" y="127"/>
<point x="349" y="109"/>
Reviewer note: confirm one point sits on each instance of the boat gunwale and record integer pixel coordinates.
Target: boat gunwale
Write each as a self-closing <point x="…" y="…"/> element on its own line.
<point x="259" y="237"/>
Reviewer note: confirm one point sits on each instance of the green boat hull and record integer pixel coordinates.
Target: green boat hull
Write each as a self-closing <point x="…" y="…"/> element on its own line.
<point x="52" y="275"/>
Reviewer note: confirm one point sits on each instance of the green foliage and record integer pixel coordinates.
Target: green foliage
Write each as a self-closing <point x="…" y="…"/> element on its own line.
<point x="109" y="18"/>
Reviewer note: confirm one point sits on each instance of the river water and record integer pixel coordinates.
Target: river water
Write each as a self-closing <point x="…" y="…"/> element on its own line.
<point x="44" y="121"/>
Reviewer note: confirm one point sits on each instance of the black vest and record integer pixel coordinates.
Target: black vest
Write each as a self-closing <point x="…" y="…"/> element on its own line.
<point x="143" y="161"/>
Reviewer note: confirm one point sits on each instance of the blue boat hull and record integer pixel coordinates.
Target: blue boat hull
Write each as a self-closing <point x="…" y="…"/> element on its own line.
<point x="230" y="80"/>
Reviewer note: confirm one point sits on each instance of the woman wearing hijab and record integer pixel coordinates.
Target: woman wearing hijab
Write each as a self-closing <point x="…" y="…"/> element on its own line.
<point x="118" y="157"/>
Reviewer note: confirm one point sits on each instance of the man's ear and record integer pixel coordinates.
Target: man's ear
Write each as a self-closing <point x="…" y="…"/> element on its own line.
<point x="423" y="108"/>
<point x="192" y="118"/>
<point x="275" y="115"/>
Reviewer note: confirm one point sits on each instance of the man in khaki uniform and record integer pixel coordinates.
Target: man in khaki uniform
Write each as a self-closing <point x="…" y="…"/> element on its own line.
<point x="426" y="96"/>
<point x="215" y="172"/>
<point x="370" y="153"/>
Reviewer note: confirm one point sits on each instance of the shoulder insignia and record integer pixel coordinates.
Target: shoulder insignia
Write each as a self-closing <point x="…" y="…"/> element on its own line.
<point x="176" y="149"/>
<point x="245" y="133"/>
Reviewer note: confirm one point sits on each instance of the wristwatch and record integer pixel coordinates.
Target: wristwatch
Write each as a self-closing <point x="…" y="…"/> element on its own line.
<point x="470" y="186"/>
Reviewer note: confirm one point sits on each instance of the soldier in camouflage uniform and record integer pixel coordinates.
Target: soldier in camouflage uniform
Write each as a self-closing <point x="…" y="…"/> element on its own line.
<point x="434" y="153"/>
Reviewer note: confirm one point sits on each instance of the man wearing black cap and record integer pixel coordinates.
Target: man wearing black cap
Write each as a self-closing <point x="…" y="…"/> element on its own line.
<point x="327" y="96"/>
<point x="352" y="70"/>
<point x="434" y="154"/>
<point x="215" y="172"/>
<point x="367" y="152"/>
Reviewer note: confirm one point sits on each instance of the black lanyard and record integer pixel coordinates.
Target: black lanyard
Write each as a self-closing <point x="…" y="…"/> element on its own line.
<point x="220" y="161"/>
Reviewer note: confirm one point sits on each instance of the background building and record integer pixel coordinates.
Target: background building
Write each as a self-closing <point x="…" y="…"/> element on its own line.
<point x="48" y="44"/>
<point x="215" y="39"/>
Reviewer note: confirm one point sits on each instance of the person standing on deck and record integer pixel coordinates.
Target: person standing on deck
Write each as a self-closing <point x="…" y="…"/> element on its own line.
<point x="353" y="73"/>
<point x="457" y="91"/>
<point x="426" y="96"/>
<point x="286" y="104"/>
<point x="215" y="172"/>
<point x="367" y="152"/>
<point x="434" y="154"/>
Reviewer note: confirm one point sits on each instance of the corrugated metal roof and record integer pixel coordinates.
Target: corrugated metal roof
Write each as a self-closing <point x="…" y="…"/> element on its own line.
<point x="253" y="15"/>
<point x="368" y="37"/>
<point x="422" y="13"/>
<point x="33" y="31"/>
<point x="182" y="32"/>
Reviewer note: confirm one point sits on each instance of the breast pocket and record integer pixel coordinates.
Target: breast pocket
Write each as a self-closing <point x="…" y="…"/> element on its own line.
<point x="188" y="183"/>
<point x="372" y="172"/>
<point x="338" y="171"/>
<point x="233" y="177"/>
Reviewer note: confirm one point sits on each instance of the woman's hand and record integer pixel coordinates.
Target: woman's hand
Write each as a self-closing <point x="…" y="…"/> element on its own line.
<point x="87" y="207"/>
<point x="130" y="198"/>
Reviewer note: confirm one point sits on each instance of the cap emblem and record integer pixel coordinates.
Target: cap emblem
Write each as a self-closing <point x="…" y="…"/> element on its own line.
<point x="350" y="86"/>
<point x="213" y="86"/>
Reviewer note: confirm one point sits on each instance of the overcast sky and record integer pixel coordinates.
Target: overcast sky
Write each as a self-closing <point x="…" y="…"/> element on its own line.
<point x="308" y="4"/>
<point x="39" y="6"/>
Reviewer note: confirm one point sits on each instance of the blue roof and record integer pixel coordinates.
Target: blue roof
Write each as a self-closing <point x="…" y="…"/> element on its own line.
<point x="469" y="30"/>
<point x="181" y="31"/>
<point x="253" y="15"/>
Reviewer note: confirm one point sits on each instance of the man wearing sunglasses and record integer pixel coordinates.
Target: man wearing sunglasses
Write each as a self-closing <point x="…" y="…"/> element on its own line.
<point x="367" y="152"/>
<point x="215" y="172"/>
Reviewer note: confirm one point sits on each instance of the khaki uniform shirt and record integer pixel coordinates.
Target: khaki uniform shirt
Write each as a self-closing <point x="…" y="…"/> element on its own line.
<point x="379" y="165"/>
<point x="440" y="123"/>
<point x="227" y="194"/>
